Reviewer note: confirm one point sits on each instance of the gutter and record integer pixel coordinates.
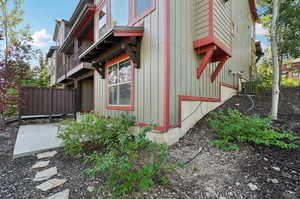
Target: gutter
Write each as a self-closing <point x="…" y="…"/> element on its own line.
<point x="81" y="15"/>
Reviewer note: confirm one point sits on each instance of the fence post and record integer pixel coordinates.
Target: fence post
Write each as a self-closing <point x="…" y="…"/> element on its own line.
<point x="51" y="104"/>
<point x="21" y="103"/>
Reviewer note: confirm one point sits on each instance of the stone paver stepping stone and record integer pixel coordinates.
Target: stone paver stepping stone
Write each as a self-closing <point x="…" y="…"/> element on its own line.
<point x="49" y="154"/>
<point x="46" y="174"/>
<point x="61" y="195"/>
<point x="51" y="184"/>
<point x="40" y="164"/>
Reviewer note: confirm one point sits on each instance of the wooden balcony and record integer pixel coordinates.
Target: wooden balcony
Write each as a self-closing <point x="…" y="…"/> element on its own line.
<point x="77" y="68"/>
<point x="61" y="74"/>
<point x="73" y="68"/>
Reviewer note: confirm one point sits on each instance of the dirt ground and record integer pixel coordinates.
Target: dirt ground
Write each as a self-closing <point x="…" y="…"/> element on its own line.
<point x="271" y="172"/>
<point x="216" y="174"/>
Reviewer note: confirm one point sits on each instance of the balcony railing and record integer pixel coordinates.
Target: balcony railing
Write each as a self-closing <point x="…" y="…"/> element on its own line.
<point x="83" y="48"/>
<point x="73" y="62"/>
<point x="60" y="71"/>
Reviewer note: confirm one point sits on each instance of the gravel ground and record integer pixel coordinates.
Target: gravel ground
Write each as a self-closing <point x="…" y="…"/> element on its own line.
<point x="16" y="175"/>
<point x="271" y="172"/>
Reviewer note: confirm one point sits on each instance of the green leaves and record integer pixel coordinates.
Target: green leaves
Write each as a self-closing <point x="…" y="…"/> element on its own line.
<point x="128" y="163"/>
<point x="235" y="128"/>
<point x="288" y="25"/>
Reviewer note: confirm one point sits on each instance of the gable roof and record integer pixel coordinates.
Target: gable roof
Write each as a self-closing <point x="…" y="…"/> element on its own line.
<point x="296" y="63"/>
<point x="51" y="51"/>
<point x="58" y="23"/>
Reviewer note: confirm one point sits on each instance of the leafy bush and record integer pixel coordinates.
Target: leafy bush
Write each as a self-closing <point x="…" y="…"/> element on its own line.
<point x="128" y="163"/>
<point x="235" y="128"/>
<point x="289" y="82"/>
<point x="92" y="132"/>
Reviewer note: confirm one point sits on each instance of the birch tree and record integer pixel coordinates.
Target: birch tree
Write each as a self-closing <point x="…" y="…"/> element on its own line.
<point x="275" y="59"/>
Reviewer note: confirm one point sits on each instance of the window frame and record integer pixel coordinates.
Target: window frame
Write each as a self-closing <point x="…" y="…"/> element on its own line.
<point x="117" y="60"/>
<point x="107" y="18"/>
<point x="134" y="19"/>
<point x="295" y="74"/>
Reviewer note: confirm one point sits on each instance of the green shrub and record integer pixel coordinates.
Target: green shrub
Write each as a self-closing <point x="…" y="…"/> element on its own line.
<point x="235" y="128"/>
<point x="289" y="82"/>
<point x="127" y="163"/>
<point x="92" y="132"/>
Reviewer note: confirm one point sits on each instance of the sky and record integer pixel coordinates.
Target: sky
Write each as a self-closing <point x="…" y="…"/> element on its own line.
<point x="40" y="14"/>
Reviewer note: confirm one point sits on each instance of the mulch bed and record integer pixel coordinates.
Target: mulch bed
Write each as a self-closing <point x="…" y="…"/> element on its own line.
<point x="212" y="174"/>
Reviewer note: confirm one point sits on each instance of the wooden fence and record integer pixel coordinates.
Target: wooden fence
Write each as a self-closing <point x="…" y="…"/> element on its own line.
<point x="47" y="102"/>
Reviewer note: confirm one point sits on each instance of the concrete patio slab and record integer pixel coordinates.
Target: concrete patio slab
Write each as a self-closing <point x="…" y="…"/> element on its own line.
<point x="33" y="139"/>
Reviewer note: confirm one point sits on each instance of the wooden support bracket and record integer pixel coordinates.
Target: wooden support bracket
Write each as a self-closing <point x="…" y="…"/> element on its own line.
<point x="100" y="68"/>
<point x="133" y="49"/>
<point x="206" y="59"/>
<point x="219" y="67"/>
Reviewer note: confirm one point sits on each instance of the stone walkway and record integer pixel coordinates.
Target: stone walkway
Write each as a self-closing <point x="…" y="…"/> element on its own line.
<point x="47" y="176"/>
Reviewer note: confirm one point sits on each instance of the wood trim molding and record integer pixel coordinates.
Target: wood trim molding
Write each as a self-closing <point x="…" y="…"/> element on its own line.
<point x="200" y="99"/>
<point x="205" y="60"/>
<point x="166" y="65"/>
<point x="219" y="68"/>
<point x="253" y="11"/>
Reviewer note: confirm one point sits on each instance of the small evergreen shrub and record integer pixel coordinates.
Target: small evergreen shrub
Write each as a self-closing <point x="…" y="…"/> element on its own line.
<point x="234" y="128"/>
<point x="127" y="163"/>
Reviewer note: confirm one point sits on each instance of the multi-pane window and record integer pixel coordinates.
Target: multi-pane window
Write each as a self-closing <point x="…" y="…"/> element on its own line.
<point x="102" y="21"/>
<point x="120" y="83"/>
<point x="119" y="12"/>
<point x="295" y="74"/>
<point x="141" y="6"/>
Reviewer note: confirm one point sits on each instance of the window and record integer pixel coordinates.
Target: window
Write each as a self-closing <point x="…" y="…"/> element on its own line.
<point x="120" y="85"/>
<point x="102" y="21"/>
<point x="119" y="12"/>
<point x="295" y="74"/>
<point x="141" y="6"/>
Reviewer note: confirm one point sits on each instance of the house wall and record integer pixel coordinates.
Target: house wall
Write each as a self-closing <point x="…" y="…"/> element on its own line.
<point x="222" y="18"/>
<point x="87" y="94"/>
<point x="243" y="35"/>
<point x="199" y="110"/>
<point x="200" y="19"/>
<point x="148" y="92"/>
<point x="294" y="77"/>
<point x="184" y="28"/>
<point x="184" y="60"/>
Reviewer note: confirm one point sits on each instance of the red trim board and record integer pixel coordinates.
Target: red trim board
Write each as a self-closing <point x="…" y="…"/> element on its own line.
<point x="202" y="99"/>
<point x="208" y="53"/>
<point x="253" y="11"/>
<point x="128" y="33"/>
<point x="166" y="63"/>
<point x="219" y="68"/>
<point x="87" y="18"/>
<point x="187" y="98"/>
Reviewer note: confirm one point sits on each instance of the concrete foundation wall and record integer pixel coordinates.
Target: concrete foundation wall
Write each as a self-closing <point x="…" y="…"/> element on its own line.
<point x="199" y="108"/>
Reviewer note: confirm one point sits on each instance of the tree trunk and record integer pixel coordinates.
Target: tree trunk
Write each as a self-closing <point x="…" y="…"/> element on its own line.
<point x="275" y="58"/>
